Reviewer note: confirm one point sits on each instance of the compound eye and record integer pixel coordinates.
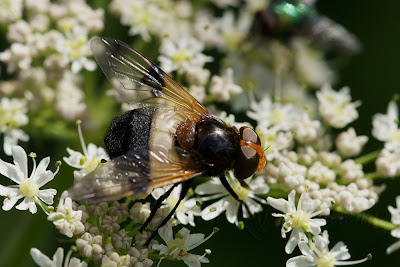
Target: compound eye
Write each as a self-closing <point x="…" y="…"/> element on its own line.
<point x="246" y="163"/>
<point x="248" y="134"/>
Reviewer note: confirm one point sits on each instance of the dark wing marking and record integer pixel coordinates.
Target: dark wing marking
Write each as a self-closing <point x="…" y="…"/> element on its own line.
<point x="138" y="80"/>
<point x="134" y="174"/>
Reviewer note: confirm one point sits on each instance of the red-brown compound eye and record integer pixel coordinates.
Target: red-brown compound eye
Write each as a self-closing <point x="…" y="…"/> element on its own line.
<point x="246" y="162"/>
<point x="248" y="158"/>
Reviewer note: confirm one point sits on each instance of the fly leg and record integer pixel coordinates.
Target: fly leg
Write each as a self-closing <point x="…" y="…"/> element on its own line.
<point x="185" y="188"/>
<point x="233" y="194"/>
<point x="156" y="207"/>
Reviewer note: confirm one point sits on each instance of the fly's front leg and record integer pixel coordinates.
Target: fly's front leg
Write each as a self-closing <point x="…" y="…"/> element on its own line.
<point x="226" y="184"/>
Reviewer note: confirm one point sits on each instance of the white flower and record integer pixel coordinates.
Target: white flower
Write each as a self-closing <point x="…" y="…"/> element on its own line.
<point x="310" y="65"/>
<point x="139" y="212"/>
<point x="43" y="261"/>
<point x="179" y="246"/>
<point x="222" y="88"/>
<point x="69" y="101"/>
<point x="114" y="259"/>
<point x="215" y="189"/>
<point x="385" y="126"/>
<point x="395" y="212"/>
<point x="306" y="129"/>
<point x="234" y="30"/>
<point x="354" y="199"/>
<point x="350" y="170"/>
<point x="37" y="6"/>
<point x="182" y="55"/>
<point x="66" y="219"/>
<point x="143" y="17"/>
<point x="275" y="140"/>
<point x="291" y="174"/>
<point x="267" y="114"/>
<point x="320" y="173"/>
<point x="17" y="57"/>
<point x="298" y="220"/>
<point x="336" y="107"/>
<point x="12" y="116"/>
<point x="320" y="255"/>
<point x="349" y="144"/>
<point x="186" y="209"/>
<point x="91" y="158"/>
<point x="225" y="3"/>
<point x="11" y="138"/>
<point x="230" y="120"/>
<point x="90" y="246"/>
<point x="388" y="161"/>
<point x="197" y="76"/>
<point x="10" y="10"/>
<point x="28" y="186"/>
<point x="75" y="49"/>
<point x="207" y="30"/>
<point x="19" y="32"/>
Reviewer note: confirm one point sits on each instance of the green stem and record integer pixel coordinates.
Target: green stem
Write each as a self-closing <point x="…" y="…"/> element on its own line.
<point x="368" y="157"/>
<point x="369" y="218"/>
<point x="374" y="175"/>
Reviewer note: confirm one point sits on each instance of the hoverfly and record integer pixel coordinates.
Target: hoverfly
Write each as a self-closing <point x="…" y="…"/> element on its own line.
<point x="169" y="139"/>
<point x="288" y="18"/>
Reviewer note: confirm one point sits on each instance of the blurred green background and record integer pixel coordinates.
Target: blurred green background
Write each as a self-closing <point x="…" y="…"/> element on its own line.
<point x="373" y="77"/>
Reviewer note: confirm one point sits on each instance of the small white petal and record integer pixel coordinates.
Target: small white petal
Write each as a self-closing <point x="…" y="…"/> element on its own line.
<point x="232" y="210"/>
<point x="47" y="195"/>
<point x="27" y="203"/>
<point x="210" y="188"/>
<point x="44" y="178"/>
<point x="300" y="261"/>
<point x="40" y="259"/>
<point x="296" y="236"/>
<point x="9" y="203"/>
<point x="193" y="241"/>
<point x="20" y="159"/>
<point x="11" y="171"/>
<point x="217" y="208"/>
<point x="41" y="168"/>
<point x="58" y="257"/>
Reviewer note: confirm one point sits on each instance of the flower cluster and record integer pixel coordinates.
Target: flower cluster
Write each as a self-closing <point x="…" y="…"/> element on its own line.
<point x="48" y="49"/>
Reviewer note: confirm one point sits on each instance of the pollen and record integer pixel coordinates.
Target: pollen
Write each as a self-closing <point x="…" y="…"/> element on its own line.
<point x="326" y="259"/>
<point x="29" y="188"/>
<point x="300" y="219"/>
<point x="91" y="164"/>
<point x="242" y="192"/>
<point x="395" y="136"/>
<point x="181" y="56"/>
<point x="171" y="202"/>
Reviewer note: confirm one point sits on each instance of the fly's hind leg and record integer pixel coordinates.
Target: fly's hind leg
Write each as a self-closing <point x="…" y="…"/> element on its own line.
<point x="185" y="188"/>
<point x="156" y="207"/>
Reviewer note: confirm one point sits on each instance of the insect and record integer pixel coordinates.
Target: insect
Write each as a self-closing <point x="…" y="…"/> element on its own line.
<point x="170" y="138"/>
<point x="287" y="18"/>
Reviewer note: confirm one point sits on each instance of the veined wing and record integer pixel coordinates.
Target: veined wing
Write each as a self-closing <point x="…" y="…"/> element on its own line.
<point x="138" y="80"/>
<point x="135" y="174"/>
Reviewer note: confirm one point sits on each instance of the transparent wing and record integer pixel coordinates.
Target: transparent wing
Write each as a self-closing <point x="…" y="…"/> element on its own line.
<point x="135" y="174"/>
<point x="138" y="80"/>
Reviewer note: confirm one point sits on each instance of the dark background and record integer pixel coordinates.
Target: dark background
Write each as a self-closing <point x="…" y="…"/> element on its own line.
<point x="373" y="77"/>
